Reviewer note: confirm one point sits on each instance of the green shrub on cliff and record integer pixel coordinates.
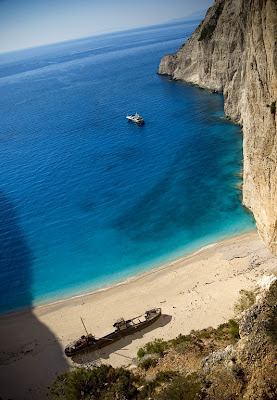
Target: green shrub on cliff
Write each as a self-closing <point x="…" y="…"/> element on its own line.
<point x="158" y="346"/>
<point x="246" y="300"/>
<point x="103" y="383"/>
<point x="183" y="387"/>
<point x="208" y="29"/>
<point x="229" y="331"/>
<point x="270" y="317"/>
<point x="148" y="363"/>
<point x="234" y="328"/>
<point x="149" y="388"/>
<point x="228" y="328"/>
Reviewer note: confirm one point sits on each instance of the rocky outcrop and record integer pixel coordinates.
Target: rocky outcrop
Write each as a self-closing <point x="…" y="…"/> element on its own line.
<point x="248" y="369"/>
<point x="234" y="51"/>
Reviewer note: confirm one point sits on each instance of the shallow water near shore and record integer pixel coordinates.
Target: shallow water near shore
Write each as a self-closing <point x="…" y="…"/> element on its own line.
<point x="87" y="198"/>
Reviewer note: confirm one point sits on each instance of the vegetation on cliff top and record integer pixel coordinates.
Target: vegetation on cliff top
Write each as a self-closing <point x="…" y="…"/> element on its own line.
<point x="104" y="382"/>
<point x="209" y="27"/>
<point x="246" y="300"/>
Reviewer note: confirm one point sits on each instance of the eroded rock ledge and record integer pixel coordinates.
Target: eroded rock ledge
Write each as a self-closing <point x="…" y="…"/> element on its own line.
<point x="234" y="51"/>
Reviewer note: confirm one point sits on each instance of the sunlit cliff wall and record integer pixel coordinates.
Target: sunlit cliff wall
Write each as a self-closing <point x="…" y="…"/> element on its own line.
<point x="234" y="51"/>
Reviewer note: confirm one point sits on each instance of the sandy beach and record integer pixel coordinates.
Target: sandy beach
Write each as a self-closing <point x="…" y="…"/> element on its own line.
<point x="194" y="292"/>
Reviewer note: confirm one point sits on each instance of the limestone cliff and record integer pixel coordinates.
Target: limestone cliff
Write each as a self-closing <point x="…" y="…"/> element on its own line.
<point x="234" y="51"/>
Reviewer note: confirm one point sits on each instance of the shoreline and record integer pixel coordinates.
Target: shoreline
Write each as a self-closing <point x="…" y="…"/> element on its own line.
<point x="194" y="292"/>
<point x="129" y="279"/>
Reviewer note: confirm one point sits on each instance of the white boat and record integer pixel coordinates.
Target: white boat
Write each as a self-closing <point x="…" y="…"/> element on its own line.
<point x="135" y="118"/>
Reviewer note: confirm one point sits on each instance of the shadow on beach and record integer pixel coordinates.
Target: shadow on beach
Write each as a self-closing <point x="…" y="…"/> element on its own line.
<point x="93" y="356"/>
<point x="29" y="351"/>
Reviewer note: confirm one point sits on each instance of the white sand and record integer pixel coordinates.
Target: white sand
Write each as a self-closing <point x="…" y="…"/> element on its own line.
<point x="194" y="292"/>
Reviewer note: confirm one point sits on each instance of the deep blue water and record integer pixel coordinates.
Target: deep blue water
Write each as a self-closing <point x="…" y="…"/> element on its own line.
<point x="86" y="198"/>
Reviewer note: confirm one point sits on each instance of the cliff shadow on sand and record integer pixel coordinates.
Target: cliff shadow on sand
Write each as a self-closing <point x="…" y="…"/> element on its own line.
<point x="28" y="349"/>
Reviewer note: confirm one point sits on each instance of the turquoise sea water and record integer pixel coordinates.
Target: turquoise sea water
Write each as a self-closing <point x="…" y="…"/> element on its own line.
<point x="87" y="198"/>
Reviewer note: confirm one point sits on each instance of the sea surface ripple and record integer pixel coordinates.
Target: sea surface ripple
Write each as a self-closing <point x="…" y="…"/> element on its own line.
<point x="88" y="199"/>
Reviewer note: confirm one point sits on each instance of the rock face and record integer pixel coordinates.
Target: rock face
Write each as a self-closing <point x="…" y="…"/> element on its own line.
<point x="247" y="370"/>
<point x="234" y="51"/>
